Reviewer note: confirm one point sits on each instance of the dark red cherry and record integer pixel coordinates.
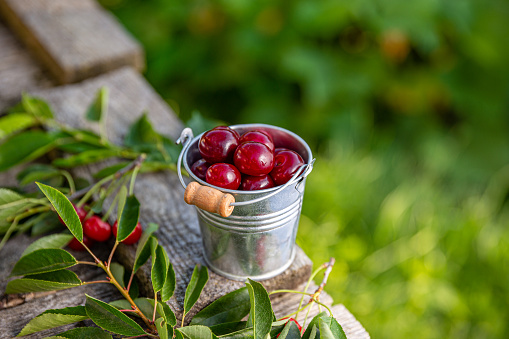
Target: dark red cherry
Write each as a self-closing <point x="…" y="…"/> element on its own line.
<point x="279" y="149"/>
<point x="218" y="145"/>
<point x="223" y="175"/>
<point x="257" y="136"/>
<point x="253" y="158"/>
<point x="97" y="229"/>
<point x="286" y="163"/>
<point x="251" y="183"/>
<point x="228" y="129"/>
<point x="200" y="168"/>
<point x="133" y="237"/>
<point x="74" y="244"/>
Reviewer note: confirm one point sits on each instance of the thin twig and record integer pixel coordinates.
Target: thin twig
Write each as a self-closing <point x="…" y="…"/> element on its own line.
<point x="326" y="274"/>
<point x="96" y="282"/>
<point x="112" y="251"/>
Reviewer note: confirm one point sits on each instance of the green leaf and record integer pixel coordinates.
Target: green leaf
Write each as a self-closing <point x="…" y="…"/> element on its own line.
<point x="12" y="123"/>
<point x="78" y="147"/>
<point x="159" y="268"/>
<point x="65" y="210"/>
<point x="246" y="333"/>
<point x="315" y="322"/>
<point x="48" y="222"/>
<point x="325" y="330"/>
<point x="83" y="333"/>
<point x="337" y="329"/>
<point x="198" y="281"/>
<point x="313" y="333"/>
<point x="36" y="172"/>
<point x="162" y="330"/>
<point x="231" y="307"/>
<point x="169" y="283"/>
<point x="52" y="281"/>
<point x="37" y="107"/>
<point x="109" y="318"/>
<point x="261" y="313"/>
<point x="54" y="318"/>
<point x="25" y="147"/>
<point x="143" y="249"/>
<point x="290" y="331"/>
<point x="122" y="196"/>
<point x="142" y="135"/>
<point x="99" y="106"/>
<point x="197" y="332"/>
<point x="85" y="158"/>
<point x="10" y="204"/>
<point x="118" y="272"/>
<point x="50" y="241"/>
<point x="43" y="260"/>
<point x="222" y="329"/>
<point x="165" y="311"/>
<point x="128" y="218"/>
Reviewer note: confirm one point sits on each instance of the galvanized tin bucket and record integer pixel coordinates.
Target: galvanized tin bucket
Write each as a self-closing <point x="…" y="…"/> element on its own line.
<point x="258" y="239"/>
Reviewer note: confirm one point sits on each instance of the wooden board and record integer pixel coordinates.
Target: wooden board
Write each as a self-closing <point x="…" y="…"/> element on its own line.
<point x="18" y="70"/>
<point x="74" y="39"/>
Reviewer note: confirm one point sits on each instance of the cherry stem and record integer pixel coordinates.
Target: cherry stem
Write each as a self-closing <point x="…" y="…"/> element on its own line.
<point x="87" y="263"/>
<point x="111" y="254"/>
<point x="70" y="180"/>
<point x="294" y="313"/>
<point x="126" y="295"/>
<point x="96" y="282"/>
<point x="313" y="275"/>
<point x="155" y="308"/>
<point x="133" y="178"/>
<point x="130" y="281"/>
<point x="289" y="291"/>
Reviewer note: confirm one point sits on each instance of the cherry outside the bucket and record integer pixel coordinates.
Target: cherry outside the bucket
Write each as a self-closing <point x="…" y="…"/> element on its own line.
<point x="74" y="244"/>
<point x="224" y="175"/>
<point x="286" y="163"/>
<point x="252" y="183"/>
<point x="257" y="136"/>
<point x="199" y="168"/>
<point x="97" y="229"/>
<point x="133" y="237"/>
<point x="218" y="145"/>
<point x="253" y="158"/>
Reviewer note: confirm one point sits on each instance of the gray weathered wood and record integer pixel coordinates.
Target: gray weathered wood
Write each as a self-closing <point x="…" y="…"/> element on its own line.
<point x="18" y="70"/>
<point x="74" y="39"/>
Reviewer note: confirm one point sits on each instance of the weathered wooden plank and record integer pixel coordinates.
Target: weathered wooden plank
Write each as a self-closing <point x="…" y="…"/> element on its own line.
<point x="18" y="70"/>
<point x="74" y="39"/>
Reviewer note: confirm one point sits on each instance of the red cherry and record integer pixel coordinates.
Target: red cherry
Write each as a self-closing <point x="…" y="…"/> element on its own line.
<point x="224" y="175"/>
<point x="258" y="136"/>
<point x="80" y="211"/>
<point x="253" y="158"/>
<point x="286" y="163"/>
<point x="218" y="145"/>
<point x="228" y="129"/>
<point x="97" y="229"/>
<point x="199" y="168"/>
<point x="279" y="149"/>
<point x="252" y="183"/>
<point x="74" y="244"/>
<point x="133" y="237"/>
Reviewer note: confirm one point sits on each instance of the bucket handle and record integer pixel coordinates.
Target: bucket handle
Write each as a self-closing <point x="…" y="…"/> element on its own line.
<point x="213" y="200"/>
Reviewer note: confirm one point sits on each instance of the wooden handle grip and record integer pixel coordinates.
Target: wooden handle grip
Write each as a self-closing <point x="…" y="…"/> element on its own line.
<point x="209" y="199"/>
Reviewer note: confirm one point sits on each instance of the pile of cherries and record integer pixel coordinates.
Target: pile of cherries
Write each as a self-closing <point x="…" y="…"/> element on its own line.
<point x="96" y="229"/>
<point x="248" y="162"/>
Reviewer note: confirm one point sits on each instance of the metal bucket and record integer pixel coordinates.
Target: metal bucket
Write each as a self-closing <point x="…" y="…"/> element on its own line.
<point x="258" y="239"/>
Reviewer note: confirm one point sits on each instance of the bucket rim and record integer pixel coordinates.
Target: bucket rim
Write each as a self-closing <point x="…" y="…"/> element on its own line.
<point x="239" y="126"/>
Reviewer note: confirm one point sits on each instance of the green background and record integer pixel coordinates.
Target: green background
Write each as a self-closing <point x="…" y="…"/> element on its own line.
<point x="404" y="103"/>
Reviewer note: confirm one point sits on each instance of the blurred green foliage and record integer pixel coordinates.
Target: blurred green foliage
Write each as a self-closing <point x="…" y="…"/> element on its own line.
<point x="405" y="104"/>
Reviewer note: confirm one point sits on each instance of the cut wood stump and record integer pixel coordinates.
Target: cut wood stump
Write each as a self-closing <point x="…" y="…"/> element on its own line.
<point x="74" y="39"/>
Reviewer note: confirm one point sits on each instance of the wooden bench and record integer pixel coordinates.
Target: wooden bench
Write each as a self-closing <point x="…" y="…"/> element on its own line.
<point x="160" y="194"/>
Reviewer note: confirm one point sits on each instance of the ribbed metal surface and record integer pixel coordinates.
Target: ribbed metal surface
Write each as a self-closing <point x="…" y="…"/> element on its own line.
<point x="258" y="239"/>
